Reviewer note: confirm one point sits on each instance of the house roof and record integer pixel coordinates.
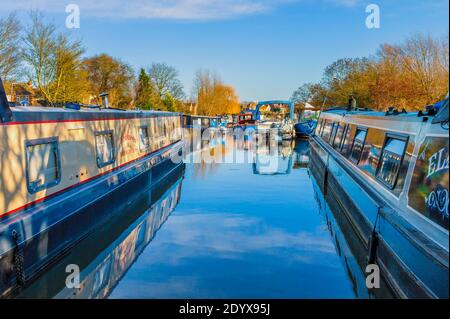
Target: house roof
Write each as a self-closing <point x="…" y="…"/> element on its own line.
<point x="18" y="88"/>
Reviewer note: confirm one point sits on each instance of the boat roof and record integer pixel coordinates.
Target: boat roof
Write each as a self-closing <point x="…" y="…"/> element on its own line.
<point x="36" y="114"/>
<point x="407" y="116"/>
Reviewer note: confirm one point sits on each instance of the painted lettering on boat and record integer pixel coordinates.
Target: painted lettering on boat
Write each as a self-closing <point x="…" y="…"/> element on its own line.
<point x="438" y="162"/>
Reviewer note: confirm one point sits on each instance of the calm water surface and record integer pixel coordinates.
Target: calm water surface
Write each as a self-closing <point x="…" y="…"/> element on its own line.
<point x="257" y="229"/>
<point x="242" y="231"/>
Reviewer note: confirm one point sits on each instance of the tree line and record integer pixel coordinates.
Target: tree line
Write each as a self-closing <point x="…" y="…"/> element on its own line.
<point x="409" y="75"/>
<point x="56" y="65"/>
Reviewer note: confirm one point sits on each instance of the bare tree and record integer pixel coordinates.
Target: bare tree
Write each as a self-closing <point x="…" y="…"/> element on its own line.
<point x="53" y="60"/>
<point x="10" y="49"/>
<point x="164" y="79"/>
<point x="40" y="45"/>
<point x="420" y="55"/>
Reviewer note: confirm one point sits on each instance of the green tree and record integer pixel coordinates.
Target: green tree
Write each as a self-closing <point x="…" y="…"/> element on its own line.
<point x="169" y="103"/>
<point x="144" y="91"/>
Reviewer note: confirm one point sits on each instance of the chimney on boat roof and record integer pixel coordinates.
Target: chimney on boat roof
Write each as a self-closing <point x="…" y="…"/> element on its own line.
<point x="5" y="111"/>
<point x="105" y="101"/>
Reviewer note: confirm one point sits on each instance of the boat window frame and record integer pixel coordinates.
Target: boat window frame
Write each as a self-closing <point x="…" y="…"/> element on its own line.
<point x="344" y="132"/>
<point x="330" y="140"/>
<point x="318" y="126"/>
<point x="324" y="122"/>
<point x="358" y="129"/>
<point x="387" y="136"/>
<point x="142" y="147"/>
<point x="113" y="160"/>
<point x="36" y="142"/>
<point x="344" y="137"/>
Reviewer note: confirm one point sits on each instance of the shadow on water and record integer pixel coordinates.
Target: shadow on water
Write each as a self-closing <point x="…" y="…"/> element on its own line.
<point x="252" y="223"/>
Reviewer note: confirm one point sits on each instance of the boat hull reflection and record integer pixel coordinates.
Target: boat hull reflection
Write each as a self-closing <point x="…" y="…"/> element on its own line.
<point x="114" y="246"/>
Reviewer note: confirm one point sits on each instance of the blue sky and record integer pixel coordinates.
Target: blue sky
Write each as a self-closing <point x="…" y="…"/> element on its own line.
<point x="264" y="48"/>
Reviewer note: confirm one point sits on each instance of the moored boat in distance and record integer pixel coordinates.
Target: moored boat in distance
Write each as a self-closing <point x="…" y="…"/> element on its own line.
<point x="275" y="118"/>
<point x="305" y="128"/>
<point x="62" y="171"/>
<point x="388" y="173"/>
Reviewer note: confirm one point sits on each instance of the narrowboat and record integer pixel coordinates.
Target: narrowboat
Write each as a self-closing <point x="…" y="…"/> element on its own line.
<point x="63" y="170"/>
<point x="388" y="175"/>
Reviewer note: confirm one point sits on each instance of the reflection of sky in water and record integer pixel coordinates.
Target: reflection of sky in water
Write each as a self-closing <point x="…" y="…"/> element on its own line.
<point x="237" y="234"/>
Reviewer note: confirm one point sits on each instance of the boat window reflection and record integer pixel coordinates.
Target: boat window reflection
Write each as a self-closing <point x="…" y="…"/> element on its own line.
<point x="391" y="160"/>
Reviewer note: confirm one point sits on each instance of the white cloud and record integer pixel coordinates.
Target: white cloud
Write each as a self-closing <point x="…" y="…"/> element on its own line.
<point x="158" y="9"/>
<point x="229" y="236"/>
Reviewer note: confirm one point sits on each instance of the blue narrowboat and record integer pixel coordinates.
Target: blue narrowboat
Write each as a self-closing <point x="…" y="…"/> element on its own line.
<point x="388" y="175"/>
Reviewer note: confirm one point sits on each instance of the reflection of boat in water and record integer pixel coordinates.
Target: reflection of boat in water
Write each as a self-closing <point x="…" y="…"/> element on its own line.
<point x="350" y="250"/>
<point x="278" y="158"/>
<point x="301" y="154"/>
<point x="273" y="158"/>
<point x="114" y="246"/>
<point x="389" y="175"/>
<point x="64" y="170"/>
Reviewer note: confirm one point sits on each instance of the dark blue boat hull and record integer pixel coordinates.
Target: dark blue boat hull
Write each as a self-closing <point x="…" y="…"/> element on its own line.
<point x="304" y="129"/>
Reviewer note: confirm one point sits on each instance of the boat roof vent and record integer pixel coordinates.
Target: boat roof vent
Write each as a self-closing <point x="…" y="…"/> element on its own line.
<point x="105" y="101"/>
<point x="392" y="110"/>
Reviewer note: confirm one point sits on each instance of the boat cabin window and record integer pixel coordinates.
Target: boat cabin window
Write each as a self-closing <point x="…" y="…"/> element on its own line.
<point x="358" y="145"/>
<point x="43" y="165"/>
<point x="333" y="132"/>
<point x="346" y="144"/>
<point x="391" y="160"/>
<point x="326" y="131"/>
<point x="144" y="139"/>
<point x="324" y="122"/>
<point x="104" y="144"/>
<point x="339" y="134"/>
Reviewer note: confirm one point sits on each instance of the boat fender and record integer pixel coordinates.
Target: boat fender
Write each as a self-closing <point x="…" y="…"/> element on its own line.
<point x="18" y="259"/>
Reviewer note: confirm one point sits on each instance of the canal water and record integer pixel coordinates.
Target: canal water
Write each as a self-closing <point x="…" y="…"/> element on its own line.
<point x="234" y="221"/>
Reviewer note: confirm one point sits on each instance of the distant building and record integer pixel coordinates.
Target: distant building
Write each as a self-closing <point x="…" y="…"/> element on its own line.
<point x="20" y="93"/>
